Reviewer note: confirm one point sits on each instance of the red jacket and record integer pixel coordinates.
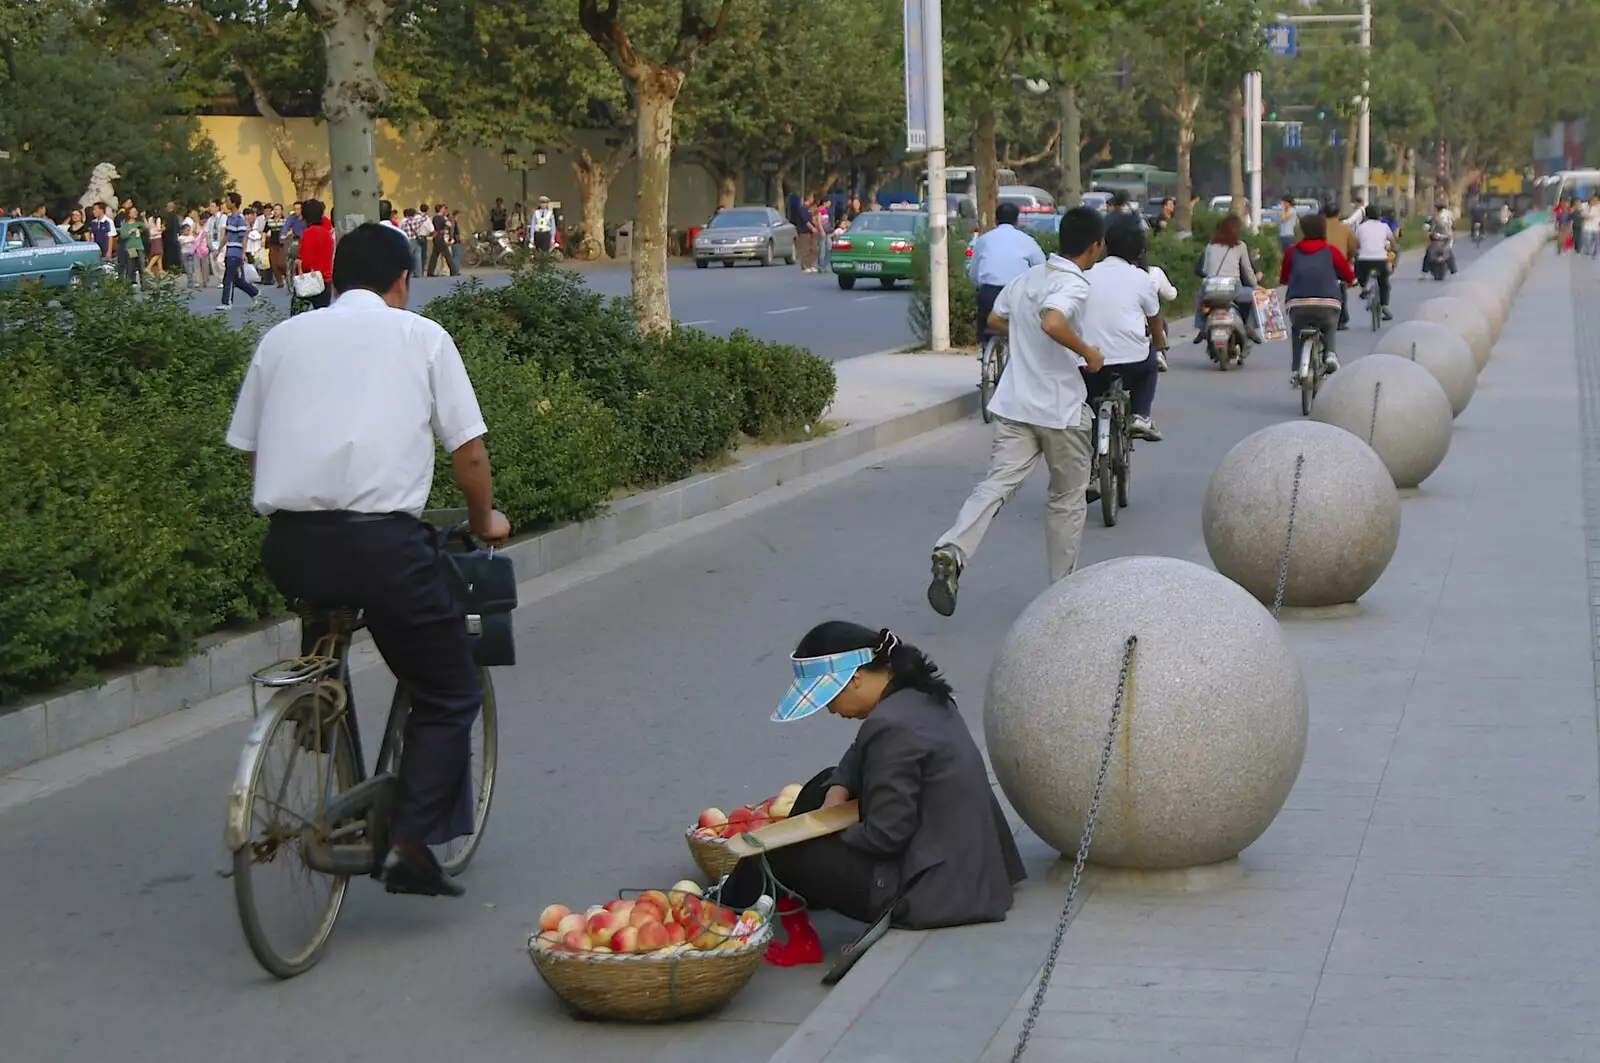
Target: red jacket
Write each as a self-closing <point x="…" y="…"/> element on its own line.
<point x="1311" y="247"/>
<point x="316" y="250"/>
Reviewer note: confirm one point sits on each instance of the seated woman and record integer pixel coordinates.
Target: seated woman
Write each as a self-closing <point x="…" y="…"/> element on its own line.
<point x="1227" y="255"/>
<point x="1123" y="320"/>
<point x="1314" y="270"/>
<point x="932" y="848"/>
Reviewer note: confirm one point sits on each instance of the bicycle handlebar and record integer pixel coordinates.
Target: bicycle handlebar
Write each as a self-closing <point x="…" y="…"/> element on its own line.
<point x="456" y="526"/>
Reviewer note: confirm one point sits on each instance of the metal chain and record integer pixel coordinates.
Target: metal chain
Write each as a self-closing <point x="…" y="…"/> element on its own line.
<point x="1067" y="912"/>
<point x="1372" y="429"/>
<point x="1288" y="538"/>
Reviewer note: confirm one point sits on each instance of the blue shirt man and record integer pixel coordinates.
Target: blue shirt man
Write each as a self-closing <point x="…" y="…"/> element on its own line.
<point x="998" y="257"/>
<point x="234" y="232"/>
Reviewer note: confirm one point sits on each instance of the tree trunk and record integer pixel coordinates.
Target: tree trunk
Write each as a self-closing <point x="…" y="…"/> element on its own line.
<point x="594" y="191"/>
<point x="983" y="146"/>
<point x="353" y="95"/>
<point x="1347" y="191"/>
<point x="727" y="189"/>
<point x="1236" y="152"/>
<point x="656" y="93"/>
<point x="309" y="178"/>
<point x="1411" y="181"/>
<point x="1187" y="104"/>
<point x="1071" y="145"/>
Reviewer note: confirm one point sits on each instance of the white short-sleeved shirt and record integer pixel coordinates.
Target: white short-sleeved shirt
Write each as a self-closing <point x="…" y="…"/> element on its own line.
<point x="1042" y="385"/>
<point x="1372" y="241"/>
<point x="1121" y="299"/>
<point x="1164" y="287"/>
<point x="342" y="408"/>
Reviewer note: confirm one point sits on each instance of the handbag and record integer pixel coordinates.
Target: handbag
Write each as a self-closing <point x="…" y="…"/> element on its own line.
<point x="309" y="285"/>
<point x="486" y="586"/>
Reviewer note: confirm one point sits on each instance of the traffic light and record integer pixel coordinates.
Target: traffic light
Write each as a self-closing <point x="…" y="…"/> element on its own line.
<point x="1322" y="113"/>
<point x="1272" y="110"/>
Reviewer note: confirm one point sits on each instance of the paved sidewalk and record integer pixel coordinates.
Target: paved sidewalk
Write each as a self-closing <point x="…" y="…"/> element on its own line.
<point x="1429" y="892"/>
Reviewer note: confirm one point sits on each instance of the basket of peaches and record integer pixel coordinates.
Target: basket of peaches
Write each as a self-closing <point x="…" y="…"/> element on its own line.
<point x="708" y="838"/>
<point x="658" y="956"/>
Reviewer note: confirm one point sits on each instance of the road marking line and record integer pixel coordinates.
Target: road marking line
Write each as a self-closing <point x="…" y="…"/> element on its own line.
<point x="867" y="298"/>
<point x="789" y="310"/>
<point x="692" y="324"/>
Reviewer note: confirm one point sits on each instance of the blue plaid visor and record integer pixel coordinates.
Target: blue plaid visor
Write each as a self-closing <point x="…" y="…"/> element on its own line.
<point x="817" y="681"/>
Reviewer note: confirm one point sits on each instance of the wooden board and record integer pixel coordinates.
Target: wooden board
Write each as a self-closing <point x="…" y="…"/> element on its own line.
<point x="796" y="829"/>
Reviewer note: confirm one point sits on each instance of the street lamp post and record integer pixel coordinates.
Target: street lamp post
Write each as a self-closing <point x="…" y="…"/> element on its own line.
<point x="1362" y="178"/>
<point x="938" y="208"/>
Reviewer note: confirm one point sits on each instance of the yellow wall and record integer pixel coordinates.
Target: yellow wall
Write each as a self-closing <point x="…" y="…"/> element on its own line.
<point x="1506" y="184"/>
<point x="468" y="179"/>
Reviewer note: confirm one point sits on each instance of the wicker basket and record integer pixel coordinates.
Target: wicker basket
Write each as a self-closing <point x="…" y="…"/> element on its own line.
<point x="711" y="854"/>
<point x="649" y="987"/>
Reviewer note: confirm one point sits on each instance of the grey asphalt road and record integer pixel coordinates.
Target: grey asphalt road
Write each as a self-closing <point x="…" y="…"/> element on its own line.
<point x="641" y="696"/>
<point x="777" y="303"/>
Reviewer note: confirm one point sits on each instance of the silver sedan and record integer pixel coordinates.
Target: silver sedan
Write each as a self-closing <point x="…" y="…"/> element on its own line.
<point x="755" y="234"/>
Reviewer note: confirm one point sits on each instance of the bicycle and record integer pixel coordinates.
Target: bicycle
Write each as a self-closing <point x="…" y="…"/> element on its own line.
<point x="341" y="829"/>
<point x="1313" y="361"/>
<point x="992" y="355"/>
<point x="1372" y="296"/>
<point x="1113" y="450"/>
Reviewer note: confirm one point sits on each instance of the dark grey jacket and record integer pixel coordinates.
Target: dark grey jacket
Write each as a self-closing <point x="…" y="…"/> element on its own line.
<point x="929" y="819"/>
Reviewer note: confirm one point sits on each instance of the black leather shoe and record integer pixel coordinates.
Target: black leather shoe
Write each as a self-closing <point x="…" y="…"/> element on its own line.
<point x="406" y="872"/>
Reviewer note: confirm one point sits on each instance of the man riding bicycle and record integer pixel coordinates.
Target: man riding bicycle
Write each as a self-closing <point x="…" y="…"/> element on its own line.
<point x="998" y="257"/>
<point x="1375" y="242"/>
<point x="339" y="412"/>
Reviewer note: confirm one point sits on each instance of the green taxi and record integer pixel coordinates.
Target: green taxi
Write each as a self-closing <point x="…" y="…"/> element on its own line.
<point x="877" y="246"/>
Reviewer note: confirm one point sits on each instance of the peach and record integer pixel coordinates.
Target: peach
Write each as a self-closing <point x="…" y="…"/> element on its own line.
<point x="625" y="940"/>
<point x="550" y="939"/>
<point x="790" y="793"/>
<point x="646" y="913"/>
<point x="576" y="940"/>
<point x="551" y="917"/>
<point x="622" y="911"/>
<point x="570" y="922"/>
<point x="740" y="816"/>
<point x="601" y="926"/>
<point x="653" y="936"/>
<point x="707" y="939"/>
<point x="600" y="948"/>
<point x="677" y="934"/>
<point x="687" y="888"/>
<point x="713" y="817"/>
<point x="657" y="897"/>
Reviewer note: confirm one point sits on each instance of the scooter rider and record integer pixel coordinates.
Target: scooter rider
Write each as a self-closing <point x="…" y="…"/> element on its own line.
<point x="1441" y="237"/>
<point x="998" y="257"/>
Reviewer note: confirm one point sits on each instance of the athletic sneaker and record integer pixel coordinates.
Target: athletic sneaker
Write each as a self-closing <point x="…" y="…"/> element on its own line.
<point x="1143" y="429"/>
<point x="1330" y="364"/>
<point x="946" y="580"/>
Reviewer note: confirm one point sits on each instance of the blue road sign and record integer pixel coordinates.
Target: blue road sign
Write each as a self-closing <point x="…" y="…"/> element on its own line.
<point x="1291" y="134"/>
<point x="1281" y="39"/>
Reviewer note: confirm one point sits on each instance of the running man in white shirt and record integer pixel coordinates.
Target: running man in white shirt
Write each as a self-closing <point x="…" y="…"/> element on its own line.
<point x="339" y="412"/>
<point x="1039" y="408"/>
<point x="1123" y="321"/>
<point x="1000" y="256"/>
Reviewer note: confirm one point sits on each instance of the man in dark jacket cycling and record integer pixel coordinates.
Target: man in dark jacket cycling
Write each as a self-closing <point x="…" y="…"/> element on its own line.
<point x="1313" y="270"/>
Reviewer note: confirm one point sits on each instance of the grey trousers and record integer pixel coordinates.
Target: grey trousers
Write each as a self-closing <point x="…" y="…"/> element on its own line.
<point x="1017" y="449"/>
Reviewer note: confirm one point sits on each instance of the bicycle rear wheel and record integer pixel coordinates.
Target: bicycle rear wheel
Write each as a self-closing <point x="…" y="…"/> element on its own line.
<point x="988" y="376"/>
<point x="456" y="854"/>
<point x="1108" y="485"/>
<point x="1375" y="307"/>
<point x="1309" y="377"/>
<point x="299" y="756"/>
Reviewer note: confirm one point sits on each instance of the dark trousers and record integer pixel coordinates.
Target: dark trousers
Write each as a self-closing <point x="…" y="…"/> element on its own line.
<point x="1138" y="377"/>
<point x="825" y="873"/>
<point x="233" y="277"/>
<point x="440" y="253"/>
<point x="1367" y="268"/>
<point x="544" y="241"/>
<point x="987" y="294"/>
<point x="1324" y="319"/>
<point x="392" y="568"/>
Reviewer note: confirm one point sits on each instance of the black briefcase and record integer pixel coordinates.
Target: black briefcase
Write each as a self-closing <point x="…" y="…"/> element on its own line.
<point x="486" y="583"/>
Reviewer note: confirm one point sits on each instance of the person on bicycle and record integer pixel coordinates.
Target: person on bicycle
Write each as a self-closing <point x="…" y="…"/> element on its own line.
<point x="339" y="412"/>
<point x="1123" y="321"/>
<point x="999" y="256"/>
<point x="1313" y="271"/>
<point x="1375" y="242"/>
<point x="1039" y="408"/>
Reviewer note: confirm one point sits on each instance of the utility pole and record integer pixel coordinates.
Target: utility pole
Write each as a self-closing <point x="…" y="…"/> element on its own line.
<point x="1252" y="143"/>
<point x="1363" y="174"/>
<point x="938" y="207"/>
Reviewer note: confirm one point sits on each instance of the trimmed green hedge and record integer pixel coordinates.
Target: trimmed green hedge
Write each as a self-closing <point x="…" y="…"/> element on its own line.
<point x="125" y="523"/>
<point x="1174" y="254"/>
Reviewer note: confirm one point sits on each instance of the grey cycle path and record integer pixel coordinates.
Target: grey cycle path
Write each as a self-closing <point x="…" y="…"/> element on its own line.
<point x="779" y="304"/>
<point x="1429" y="891"/>
<point x="641" y="696"/>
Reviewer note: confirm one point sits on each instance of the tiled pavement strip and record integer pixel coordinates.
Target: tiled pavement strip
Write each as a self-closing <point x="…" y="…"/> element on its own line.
<point x="1432" y="889"/>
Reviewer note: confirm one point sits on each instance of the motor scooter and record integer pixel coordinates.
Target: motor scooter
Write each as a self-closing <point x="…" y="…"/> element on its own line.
<point x="1227" y="337"/>
<point x="1436" y="261"/>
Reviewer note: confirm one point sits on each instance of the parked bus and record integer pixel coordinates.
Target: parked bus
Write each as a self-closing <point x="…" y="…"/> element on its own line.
<point x="1144" y="184"/>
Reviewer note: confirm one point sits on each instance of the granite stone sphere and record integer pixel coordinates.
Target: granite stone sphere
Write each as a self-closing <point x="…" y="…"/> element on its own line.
<point x="1439" y="351"/>
<point x="1397" y="407"/>
<point x="1346" y="524"/>
<point x="1489" y="294"/>
<point x="1213" y="727"/>
<point x="1462" y="318"/>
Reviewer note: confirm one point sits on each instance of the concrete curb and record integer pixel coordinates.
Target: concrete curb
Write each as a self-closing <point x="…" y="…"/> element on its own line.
<point x="825" y="1027"/>
<point x="69" y="720"/>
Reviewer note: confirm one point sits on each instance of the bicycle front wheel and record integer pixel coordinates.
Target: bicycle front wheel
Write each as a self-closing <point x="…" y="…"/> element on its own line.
<point x="297" y="758"/>
<point x="456" y="854"/>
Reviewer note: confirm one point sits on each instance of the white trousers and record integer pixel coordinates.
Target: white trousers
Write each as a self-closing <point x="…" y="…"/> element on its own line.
<point x="1017" y="449"/>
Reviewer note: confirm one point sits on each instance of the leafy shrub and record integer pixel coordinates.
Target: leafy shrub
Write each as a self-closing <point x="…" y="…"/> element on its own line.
<point x="128" y="529"/>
